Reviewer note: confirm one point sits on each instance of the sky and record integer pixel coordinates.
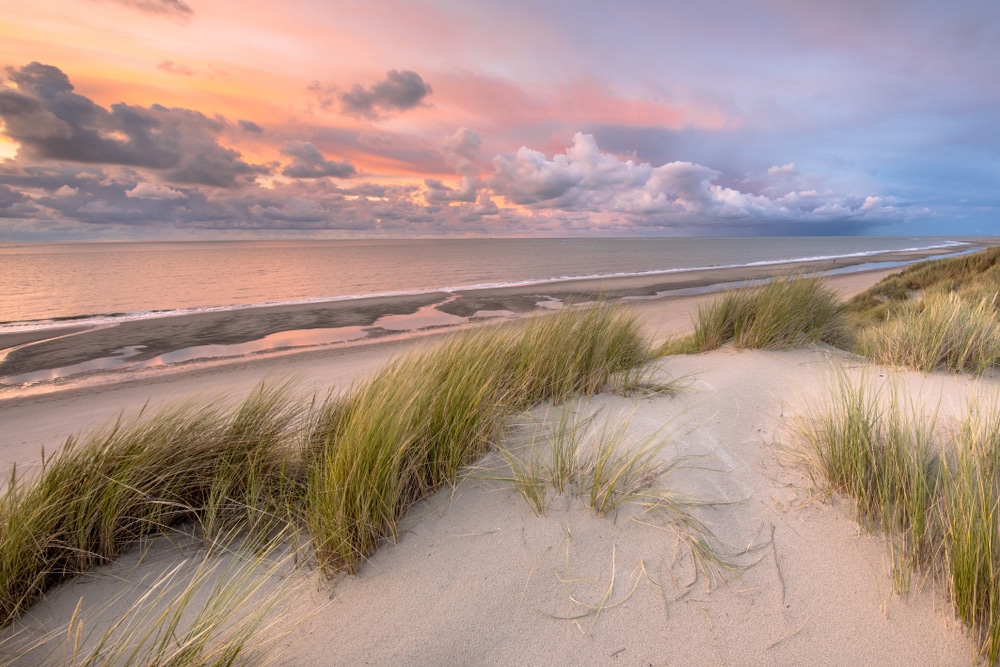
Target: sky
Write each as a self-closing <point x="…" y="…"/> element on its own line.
<point x="226" y="119"/>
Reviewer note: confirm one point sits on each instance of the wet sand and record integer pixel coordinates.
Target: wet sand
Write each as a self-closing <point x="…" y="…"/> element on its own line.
<point x="150" y="339"/>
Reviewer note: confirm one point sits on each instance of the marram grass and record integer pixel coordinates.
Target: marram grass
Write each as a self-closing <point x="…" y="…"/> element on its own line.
<point x="940" y="331"/>
<point x="786" y="312"/>
<point x="937" y="315"/>
<point x="101" y="494"/>
<point x="230" y="605"/>
<point x="343" y="471"/>
<point x="406" y="431"/>
<point x="934" y="493"/>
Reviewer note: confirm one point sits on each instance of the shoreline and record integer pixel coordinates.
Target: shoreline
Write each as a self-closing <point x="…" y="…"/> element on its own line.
<point x="66" y="358"/>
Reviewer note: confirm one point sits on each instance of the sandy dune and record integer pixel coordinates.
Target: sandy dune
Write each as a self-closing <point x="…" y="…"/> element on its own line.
<point x="477" y="578"/>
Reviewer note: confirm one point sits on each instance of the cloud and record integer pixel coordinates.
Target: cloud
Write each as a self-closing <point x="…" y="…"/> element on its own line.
<point x="169" y="8"/>
<point x="308" y="162"/>
<point x="871" y="203"/>
<point x="326" y="94"/>
<point x="51" y="122"/>
<point x="574" y="180"/>
<point x="584" y="180"/>
<point x="13" y="204"/>
<point x="464" y="143"/>
<point x="485" y="205"/>
<point x="147" y="190"/>
<point x="250" y="126"/>
<point x="785" y="169"/>
<point x="399" y="91"/>
<point x="171" y="68"/>
<point x="439" y="193"/>
<point x="294" y="210"/>
<point x="103" y="210"/>
<point x="462" y="151"/>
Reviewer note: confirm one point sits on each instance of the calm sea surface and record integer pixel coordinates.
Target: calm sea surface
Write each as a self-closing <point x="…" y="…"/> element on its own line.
<point x="45" y="282"/>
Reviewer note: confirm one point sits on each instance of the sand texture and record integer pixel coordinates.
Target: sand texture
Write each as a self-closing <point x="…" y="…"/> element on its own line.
<point x="477" y="578"/>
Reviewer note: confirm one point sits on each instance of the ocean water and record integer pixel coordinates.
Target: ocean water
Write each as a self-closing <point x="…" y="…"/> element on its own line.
<point x="46" y="285"/>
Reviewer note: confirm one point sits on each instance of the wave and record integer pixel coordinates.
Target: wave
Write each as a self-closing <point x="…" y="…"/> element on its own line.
<point x="106" y="319"/>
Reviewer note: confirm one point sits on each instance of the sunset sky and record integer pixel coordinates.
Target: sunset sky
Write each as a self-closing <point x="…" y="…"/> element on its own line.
<point x="187" y="119"/>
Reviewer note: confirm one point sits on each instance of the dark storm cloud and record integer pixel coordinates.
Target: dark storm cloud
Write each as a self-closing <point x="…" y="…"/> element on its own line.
<point x="51" y="122"/>
<point x="399" y="91"/>
<point x="308" y="162"/>
<point x="171" y="8"/>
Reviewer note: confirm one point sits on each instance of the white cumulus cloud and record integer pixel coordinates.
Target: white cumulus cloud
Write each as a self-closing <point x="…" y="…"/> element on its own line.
<point x="783" y="170"/>
<point x="583" y="179"/>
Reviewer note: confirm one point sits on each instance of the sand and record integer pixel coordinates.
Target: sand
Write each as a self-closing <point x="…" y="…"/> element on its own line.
<point x="477" y="578"/>
<point x="149" y="340"/>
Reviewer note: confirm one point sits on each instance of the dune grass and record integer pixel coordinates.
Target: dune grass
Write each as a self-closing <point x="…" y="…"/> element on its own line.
<point x="342" y="472"/>
<point x="934" y="493"/>
<point x="940" y="331"/>
<point x="596" y="462"/>
<point x="603" y="465"/>
<point x="936" y="315"/>
<point x="228" y="605"/>
<point x="406" y="431"/>
<point x="942" y="314"/>
<point x="786" y="312"/>
<point x="99" y="495"/>
<point x="970" y="275"/>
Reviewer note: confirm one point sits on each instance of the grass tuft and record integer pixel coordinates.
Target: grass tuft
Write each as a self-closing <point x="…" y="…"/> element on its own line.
<point x="102" y="493"/>
<point x="936" y="494"/>
<point x="940" y="331"/>
<point x="407" y="430"/>
<point x="786" y="312"/>
<point x="345" y="469"/>
<point x="218" y="607"/>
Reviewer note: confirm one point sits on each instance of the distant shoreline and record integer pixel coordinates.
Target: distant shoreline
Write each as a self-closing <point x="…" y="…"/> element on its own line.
<point x="139" y="344"/>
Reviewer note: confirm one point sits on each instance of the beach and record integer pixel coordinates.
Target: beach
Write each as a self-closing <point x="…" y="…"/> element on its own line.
<point x="37" y="361"/>
<point x="476" y="577"/>
<point x="43" y="416"/>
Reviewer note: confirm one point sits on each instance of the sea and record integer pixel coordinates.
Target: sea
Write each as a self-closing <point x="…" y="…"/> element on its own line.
<point x="54" y="285"/>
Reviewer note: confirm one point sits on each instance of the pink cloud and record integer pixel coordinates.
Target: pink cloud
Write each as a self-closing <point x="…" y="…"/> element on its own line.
<point x="492" y="100"/>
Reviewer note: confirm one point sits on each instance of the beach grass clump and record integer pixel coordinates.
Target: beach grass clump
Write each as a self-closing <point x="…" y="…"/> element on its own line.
<point x="935" y="493"/>
<point x="786" y="312"/>
<point x="599" y="463"/>
<point x="213" y="607"/>
<point x="344" y="471"/>
<point x="407" y="430"/>
<point x="941" y="331"/>
<point x="970" y="521"/>
<point x="576" y="352"/>
<point x="102" y="493"/>
<point x="975" y="272"/>
<point x="936" y="315"/>
<point x="872" y="449"/>
<point x="398" y="437"/>
<point x="616" y="473"/>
